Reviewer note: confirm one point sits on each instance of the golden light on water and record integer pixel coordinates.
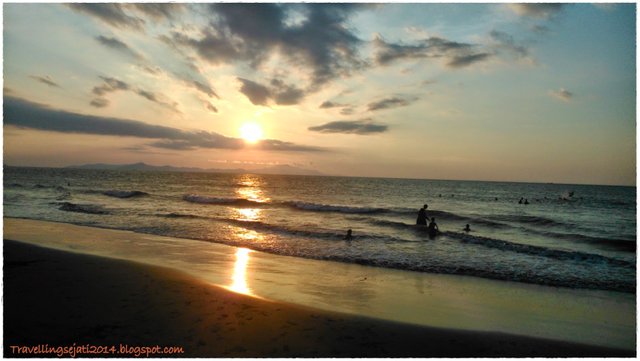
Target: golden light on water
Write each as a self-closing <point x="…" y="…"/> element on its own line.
<point x="239" y="276"/>
<point x="248" y="214"/>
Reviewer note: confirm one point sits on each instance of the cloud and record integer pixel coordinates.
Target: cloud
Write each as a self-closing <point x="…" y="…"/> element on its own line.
<point x="536" y="10"/>
<point x="462" y="61"/>
<point x="319" y="42"/>
<point x="211" y="108"/>
<point x="119" y="46"/>
<point x="26" y="114"/>
<point x="159" y="11"/>
<point x="111" y="85"/>
<point x="99" y="102"/>
<point x="278" y="92"/>
<point x="360" y="127"/>
<point x="562" y="94"/>
<point x="456" y="54"/>
<point x="112" y="14"/>
<point x="506" y="42"/>
<point x="45" y="80"/>
<point x="387" y="103"/>
<point x="258" y="94"/>
<point x="329" y="104"/>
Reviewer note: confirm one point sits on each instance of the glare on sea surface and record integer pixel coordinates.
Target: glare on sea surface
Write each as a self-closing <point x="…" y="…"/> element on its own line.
<point x="239" y="276"/>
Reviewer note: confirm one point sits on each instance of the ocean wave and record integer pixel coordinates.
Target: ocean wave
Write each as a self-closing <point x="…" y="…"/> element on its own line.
<point x="124" y="194"/>
<point x="537" y="250"/>
<point x="534" y="220"/>
<point x="615" y="244"/>
<point x="239" y="202"/>
<point x="317" y="207"/>
<point x="14" y="185"/>
<point x="82" y="208"/>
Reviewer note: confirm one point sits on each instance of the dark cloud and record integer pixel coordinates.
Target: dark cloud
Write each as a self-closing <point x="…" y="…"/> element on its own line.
<point x="26" y="114"/>
<point x="562" y="94"/>
<point x="360" y="127"/>
<point x="387" y="103"/>
<point x="387" y="52"/>
<point x="456" y="54"/>
<point x="257" y="94"/>
<point x="99" y="102"/>
<point x="45" y="80"/>
<point x="320" y="42"/>
<point x="159" y="11"/>
<point x="537" y="10"/>
<point x="278" y="92"/>
<point x="112" y="14"/>
<point x="467" y="60"/>
<point x="119" y="46"/>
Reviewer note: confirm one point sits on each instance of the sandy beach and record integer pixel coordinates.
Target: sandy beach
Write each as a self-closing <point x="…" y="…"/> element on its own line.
<point x="59" y="298"/>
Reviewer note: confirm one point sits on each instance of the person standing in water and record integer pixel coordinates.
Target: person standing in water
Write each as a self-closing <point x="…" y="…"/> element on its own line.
<point x="422" y="216"/>
<point x="433" y="228"/>
<point x="349" y="236"/>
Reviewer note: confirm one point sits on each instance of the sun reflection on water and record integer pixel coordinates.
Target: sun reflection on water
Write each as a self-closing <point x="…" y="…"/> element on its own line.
<point x="239" y="276"/>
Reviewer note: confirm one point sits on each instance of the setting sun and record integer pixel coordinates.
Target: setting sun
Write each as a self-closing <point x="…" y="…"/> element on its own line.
<point x="251" y="132"/>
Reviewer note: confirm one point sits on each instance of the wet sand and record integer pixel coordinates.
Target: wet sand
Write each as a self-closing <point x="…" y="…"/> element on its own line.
<point x="60" y="298"/>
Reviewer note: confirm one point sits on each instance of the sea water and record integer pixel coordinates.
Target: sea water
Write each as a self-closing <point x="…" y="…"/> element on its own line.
<point x="574" y="236"/>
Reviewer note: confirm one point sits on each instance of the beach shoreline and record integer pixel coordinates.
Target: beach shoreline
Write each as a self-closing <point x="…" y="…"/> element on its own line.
<point x="60" y="298"/>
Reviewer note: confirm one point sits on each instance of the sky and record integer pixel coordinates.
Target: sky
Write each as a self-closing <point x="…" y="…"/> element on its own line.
<point x="499" y="92"/>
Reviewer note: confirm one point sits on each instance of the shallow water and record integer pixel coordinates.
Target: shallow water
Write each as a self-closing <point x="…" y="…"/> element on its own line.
<point x="573" y="236"/>
<point x="604" y="318"/>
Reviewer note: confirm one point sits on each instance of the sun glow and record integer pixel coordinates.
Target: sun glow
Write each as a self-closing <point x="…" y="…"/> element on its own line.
<point x="251" y="132"/>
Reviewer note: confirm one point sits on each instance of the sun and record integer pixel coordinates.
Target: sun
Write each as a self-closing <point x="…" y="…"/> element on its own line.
<point x="251" y="132"/>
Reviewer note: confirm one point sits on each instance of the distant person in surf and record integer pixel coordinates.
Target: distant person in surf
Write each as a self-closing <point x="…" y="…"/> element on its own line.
<point x="433" y="228"/>
<point x="422" y="216"/>
<point x="349" y="236"/>
<point x="467" y="228"/>
<point x="521" y="200"/>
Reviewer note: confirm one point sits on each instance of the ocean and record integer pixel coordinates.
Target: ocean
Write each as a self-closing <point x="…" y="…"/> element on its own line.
<point x="572" y="236"/>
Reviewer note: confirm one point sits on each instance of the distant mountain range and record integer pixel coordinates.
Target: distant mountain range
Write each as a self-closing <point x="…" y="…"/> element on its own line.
<point x="276" y="169"/>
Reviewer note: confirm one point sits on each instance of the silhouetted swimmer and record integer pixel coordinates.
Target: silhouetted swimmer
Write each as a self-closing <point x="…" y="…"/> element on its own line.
<point x="349" y="236"/>
<point x="433" y="228"/>
<point x="422" y="216"/>
<point x="467" y="228"/>
<point x="526" y="201"/>
<point x="496" y="198"/>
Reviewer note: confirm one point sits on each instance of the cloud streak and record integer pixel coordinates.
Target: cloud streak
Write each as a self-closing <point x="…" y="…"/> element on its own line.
<point x="111" y="14"/>
<point x="455" y="54"/>
<point x="45" y="80"/>
<point x="119" y="46"/>
<point x="359" y="127"/>
<point x="388" y="103"/>
<point x="111" y="85"/>
<point x="26" y="114"/>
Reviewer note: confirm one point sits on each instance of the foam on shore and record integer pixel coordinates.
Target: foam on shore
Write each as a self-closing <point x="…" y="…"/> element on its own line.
<point x="465" y="303"/>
